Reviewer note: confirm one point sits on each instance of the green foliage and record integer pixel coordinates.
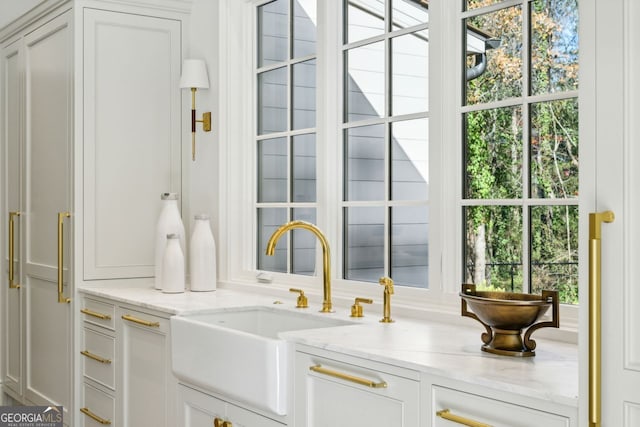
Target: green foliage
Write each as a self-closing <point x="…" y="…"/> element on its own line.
<point x="496" y="152"/>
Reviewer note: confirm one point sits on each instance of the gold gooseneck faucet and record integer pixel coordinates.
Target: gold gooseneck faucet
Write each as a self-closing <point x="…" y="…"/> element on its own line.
<point x="388" y="291"/>
<point x="326" y="263"/>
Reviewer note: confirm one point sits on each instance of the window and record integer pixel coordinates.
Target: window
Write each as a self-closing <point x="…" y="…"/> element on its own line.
<point x="516" y="206"/>
<point x="520" y="137"/>
<point x="286" y="136"/>
<point x="385" y="141"/>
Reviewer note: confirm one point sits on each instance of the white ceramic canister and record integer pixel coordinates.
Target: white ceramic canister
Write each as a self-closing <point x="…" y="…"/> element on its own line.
<point x="169" y="222"/>
<point x="202" y="252"/>
<point x="173" y="266"/>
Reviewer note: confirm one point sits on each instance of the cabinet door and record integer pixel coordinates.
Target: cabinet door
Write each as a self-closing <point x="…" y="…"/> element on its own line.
<point x="240" y="417"/>
<point x="12" y="115"/>
<point x="196" y="409"/>
<point x="612" y="94"/>
<point x="131" y="138"/>
<point x="323" y="399"/>
<point x="47" y="184"/>
<point x="147" y="388"/>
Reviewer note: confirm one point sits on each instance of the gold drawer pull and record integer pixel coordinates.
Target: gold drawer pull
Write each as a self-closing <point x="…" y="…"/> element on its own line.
<point x="95" y="357"/>
<point x="90" y="414"/>
<point x="133" y="319"/>
<point x="447" y="415"/>
<point x="368" y="383"/>
<point x="217" y="422"/>
<point x="95" y="314"/>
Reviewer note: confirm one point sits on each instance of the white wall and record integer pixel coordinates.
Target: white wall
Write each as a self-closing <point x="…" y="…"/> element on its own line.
<point x="217" y="35"/>
<point x="201" y="178"/>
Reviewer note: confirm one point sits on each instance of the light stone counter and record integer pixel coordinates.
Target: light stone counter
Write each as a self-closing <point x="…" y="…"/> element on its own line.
<point x="429" y="347"/>
<point x="454" y="352"/>
<point x="146" y="296"/>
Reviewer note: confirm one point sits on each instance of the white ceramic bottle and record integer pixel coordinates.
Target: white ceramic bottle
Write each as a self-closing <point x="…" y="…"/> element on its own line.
<point x="173" y="266"/>
<point x="202" y="251"/>
<point x="169" y="222"/>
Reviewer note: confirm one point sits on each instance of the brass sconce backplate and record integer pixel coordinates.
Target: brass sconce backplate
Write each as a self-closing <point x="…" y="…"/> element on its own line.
<point x="206" y="121"/>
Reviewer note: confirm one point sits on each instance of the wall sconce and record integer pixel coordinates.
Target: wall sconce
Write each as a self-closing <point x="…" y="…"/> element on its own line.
<point x="194" y="76"/>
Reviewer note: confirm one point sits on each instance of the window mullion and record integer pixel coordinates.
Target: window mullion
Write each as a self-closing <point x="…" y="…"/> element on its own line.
<point x="526" y="158"/>
<point x="386" y="203"/>
<point x="387" y="137"/>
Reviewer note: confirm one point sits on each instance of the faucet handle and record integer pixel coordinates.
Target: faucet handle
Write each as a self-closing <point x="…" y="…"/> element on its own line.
<point x="302" y="299"/>
<point x="387" y="282"/>
<point x="356" y="308"/>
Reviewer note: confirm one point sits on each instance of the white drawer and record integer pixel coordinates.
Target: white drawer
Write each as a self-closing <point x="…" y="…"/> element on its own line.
<point x="494" y="413"/>
<point x="348" y="391"/>
<point x="98" y="313"/>
<point x="97" y="357"/>
<point x="142" y="320"/>
<point x="98" y="408"/>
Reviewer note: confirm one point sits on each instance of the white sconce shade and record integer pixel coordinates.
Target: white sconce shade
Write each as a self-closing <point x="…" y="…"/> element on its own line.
<point x="194" y="74"/>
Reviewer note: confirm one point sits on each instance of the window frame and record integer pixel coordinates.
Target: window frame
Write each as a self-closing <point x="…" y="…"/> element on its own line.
<point x="289" y="133"/>
<point x="387" y="120"/>
<point x="237" y="32"/>
<point x="525" y="102"/>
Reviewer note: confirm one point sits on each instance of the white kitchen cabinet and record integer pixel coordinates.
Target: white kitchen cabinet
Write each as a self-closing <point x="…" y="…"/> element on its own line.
<point x="12" y="115"/>
<point x="132" y="131"/>
<point x="453" y="407"/>
<point x="37" y="99"/>
<point x="145" y="370"/>
<point x="609" y="113"/>
<point x="47" y="195"/>
<point x="90" y="114"/>
<point x="98" y="408"/>
<point x="331" y="389"/>
<point x="99" y="363"/>
<point x="198" y="409"/>
<point x="126" y="365"/>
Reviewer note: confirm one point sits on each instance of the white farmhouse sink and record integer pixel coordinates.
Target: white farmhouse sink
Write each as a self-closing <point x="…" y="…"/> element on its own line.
<point x="238" y="353"/>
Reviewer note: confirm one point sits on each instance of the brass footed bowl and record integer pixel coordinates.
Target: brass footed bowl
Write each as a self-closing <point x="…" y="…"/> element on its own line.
<point x="506" y="314"/>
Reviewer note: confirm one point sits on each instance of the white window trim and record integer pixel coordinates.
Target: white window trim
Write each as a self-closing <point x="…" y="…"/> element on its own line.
<point x="237" y="173"/>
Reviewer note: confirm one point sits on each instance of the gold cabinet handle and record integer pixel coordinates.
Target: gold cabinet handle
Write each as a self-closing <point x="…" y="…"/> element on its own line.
<point x="133" y="319"/>
<point x="93" y="416"/>
<point x="12" y="215"/>
<point x="95" y="357"/>
<point x="447" y="415"/>
<point x="61" y="217"/>
<point x="95" y="314"/>
<point x="217" y="422"/>
<point x="368" y="383"/>
<point x="595" y="324"/>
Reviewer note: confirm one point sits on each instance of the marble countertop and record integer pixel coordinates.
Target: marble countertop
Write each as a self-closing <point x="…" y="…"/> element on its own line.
<point x="146" y="296"/>
<point x="454" y="352"/>
<point x="451" y="351"/>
